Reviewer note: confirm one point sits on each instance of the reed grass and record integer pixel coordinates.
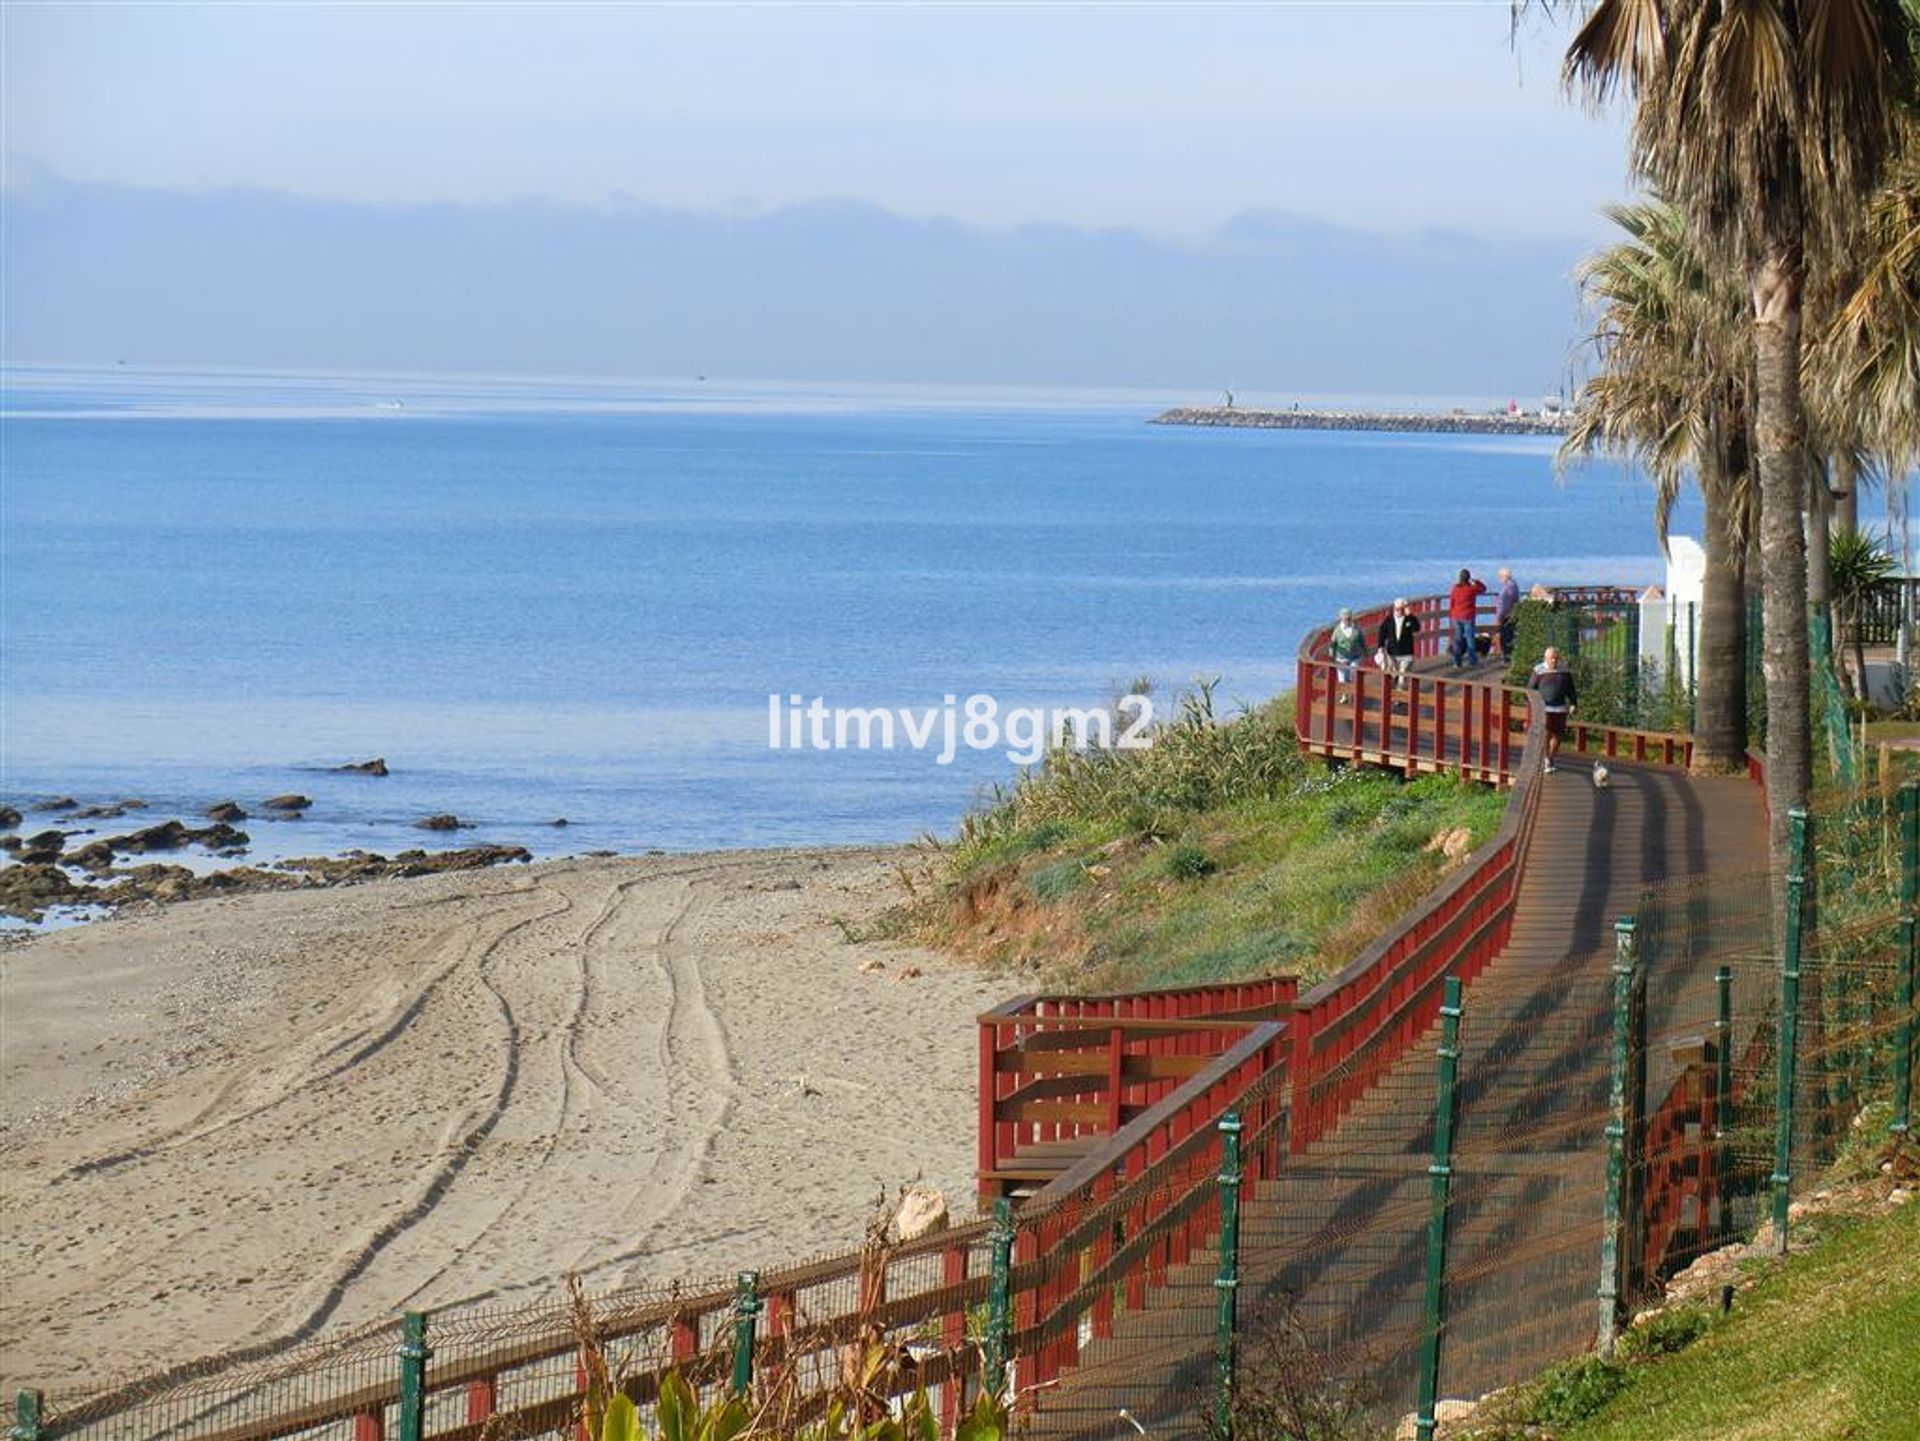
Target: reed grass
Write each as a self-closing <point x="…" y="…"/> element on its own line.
<point x="1218" y="853"/>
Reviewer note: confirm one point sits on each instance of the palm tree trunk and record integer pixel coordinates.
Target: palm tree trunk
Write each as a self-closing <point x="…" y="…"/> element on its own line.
<point x="1819" y="538"/>
<point x="1822" y="662"/>
<point x="1780" y="435"/>
<point x="1720" y="680"/>
<point x="1846" y="493"/>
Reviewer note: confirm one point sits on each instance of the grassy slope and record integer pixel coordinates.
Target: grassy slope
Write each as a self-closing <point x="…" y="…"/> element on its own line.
<point x="1222" y="855"/>
<point x="1826" y="1346"/>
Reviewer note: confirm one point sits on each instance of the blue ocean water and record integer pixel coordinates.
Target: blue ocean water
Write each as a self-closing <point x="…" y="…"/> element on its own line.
<point x="558" y="598"/>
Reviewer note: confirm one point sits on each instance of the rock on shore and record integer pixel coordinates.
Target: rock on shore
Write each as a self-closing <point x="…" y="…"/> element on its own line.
<point x="29" y="888"/>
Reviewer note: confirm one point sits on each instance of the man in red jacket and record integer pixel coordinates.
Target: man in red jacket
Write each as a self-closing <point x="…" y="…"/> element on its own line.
<point x="1462" y="603"/>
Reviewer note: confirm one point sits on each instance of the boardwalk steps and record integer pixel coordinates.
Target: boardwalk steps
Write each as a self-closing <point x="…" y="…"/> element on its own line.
<point x="1340" y="1233"/>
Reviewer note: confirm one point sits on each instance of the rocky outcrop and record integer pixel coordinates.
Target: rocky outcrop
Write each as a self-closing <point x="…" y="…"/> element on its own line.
<point x="163" y="884"/>
<point x="225" y="812"/>
<point x="108" y="812"/>
<point x="9" y="818"/>
<point x="27" y="890"/>
<point x="291" y="803"/>
<point x="440" y="823"/>
<point x="371" y="866"/>
<point x="375" y="767"/>
<point x="99" y="856"/>
<point x="42" y="849"/>
<point x="58" y="803"/>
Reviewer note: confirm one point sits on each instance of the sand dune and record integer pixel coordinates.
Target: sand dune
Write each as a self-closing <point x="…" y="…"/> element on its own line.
<point x="245" y="1121"/>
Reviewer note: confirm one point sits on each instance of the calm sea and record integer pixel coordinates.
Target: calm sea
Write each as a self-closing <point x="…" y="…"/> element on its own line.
<point x="546" y="599"/>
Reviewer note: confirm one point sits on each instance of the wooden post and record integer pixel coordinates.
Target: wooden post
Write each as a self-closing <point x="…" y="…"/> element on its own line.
<point x="483" y="1396"/>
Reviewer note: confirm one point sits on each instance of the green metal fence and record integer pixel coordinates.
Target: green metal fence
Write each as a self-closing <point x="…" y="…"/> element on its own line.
<point x="1423" y="1247"/>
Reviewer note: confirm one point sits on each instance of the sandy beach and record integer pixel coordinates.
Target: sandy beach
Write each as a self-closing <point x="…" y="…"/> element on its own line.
<point x="256" y="1118"/>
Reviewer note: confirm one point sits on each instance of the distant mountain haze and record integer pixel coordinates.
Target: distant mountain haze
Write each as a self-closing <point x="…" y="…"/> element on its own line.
<point x="832" y="290"/>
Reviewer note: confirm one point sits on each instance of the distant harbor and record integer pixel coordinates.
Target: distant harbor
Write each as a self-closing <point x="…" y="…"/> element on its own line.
<point x="1457" y="422"/>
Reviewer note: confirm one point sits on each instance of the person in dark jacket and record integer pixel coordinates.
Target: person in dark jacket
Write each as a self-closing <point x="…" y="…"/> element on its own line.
<point x="1394" y="653"/>
<point x="1462" y="604"/>
<point x="1557" y="694"/>
<point x="1503" y="613"/>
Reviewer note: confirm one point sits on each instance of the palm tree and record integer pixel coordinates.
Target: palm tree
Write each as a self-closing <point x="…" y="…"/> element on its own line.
<point x="1768" y="122"/>
<point x="1866" y="360"/>
<point x="1674" y="392"/>
<point x="1860" y="563"/>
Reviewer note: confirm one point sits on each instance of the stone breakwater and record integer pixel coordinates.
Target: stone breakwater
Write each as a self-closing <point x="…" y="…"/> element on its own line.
<point x="1457" y="423"/>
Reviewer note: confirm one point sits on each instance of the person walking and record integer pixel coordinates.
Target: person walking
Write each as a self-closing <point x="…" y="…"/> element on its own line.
<point x="1503" y="612"/>
<point x="1347" y="646"/>
<point x="1462" y="605"/>
<point x="1394" y="653"/>
<point x="1558" y="695"/>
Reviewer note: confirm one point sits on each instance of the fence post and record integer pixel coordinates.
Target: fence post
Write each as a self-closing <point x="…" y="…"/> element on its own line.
<point x="1789" y="1028"/>
<point x="1615" y="1215"/>
<point x="1723" y="1094"/>
<point x="1909" y="952"/>
<point x="1000" y="1298"/>
<point x="414" y="1355"/>
<point x="746" y="1319"/>
<point x="28" y="1408"/>
<point x="1441" y="1172"/>
<point x="1227" y="1283"/>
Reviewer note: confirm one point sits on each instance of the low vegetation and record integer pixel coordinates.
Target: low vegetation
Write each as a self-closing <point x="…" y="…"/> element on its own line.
<point x="1823" y="1344"/>
<point x="1218" y="853"/>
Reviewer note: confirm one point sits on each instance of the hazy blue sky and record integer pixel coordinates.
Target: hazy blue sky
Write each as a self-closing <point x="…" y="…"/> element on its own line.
<point x="1311" y="197"/>
<point x="1166" y="118"/>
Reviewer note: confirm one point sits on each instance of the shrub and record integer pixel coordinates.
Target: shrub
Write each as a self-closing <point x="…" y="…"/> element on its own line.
<point x="1665" y="1332"/>
<point x="1057" y="881"/>
<point x="1575" y="1390"/>
<point x="1196" y="761"/>
<point x="1189" y="863"/>
<point x="1286" y="1388"/>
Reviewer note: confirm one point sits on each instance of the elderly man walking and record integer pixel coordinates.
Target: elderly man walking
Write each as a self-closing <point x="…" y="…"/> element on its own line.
<point x="1557" y="694"/>
<point x="1503" y="612"/>
<point x="1396" y="641"/>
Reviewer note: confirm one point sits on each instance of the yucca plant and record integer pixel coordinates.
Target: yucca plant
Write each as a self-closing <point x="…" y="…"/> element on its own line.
<point x="1860" y="561"/>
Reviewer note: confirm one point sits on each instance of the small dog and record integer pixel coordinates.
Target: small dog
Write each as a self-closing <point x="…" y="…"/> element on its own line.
<point x="1602" y="777"/>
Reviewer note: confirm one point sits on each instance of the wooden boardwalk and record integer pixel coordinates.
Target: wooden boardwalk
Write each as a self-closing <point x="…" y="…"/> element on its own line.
<point x="1341" y="1234"/>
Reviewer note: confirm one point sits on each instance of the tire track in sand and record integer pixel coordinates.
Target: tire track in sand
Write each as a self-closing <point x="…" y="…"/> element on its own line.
<point x="702" y="1090"/>
<point x="691" y="1060"/>
<point x="366" y="1041"/>
<point x="333" y="1292"/>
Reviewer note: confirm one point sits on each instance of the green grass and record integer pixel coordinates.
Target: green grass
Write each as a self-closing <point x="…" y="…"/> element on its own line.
<point x="1217" y="855"/>
<point x="1825" y="1347"/>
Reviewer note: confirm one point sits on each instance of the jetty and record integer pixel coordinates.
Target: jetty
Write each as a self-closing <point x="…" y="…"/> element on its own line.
<point x="1452" y="422"/>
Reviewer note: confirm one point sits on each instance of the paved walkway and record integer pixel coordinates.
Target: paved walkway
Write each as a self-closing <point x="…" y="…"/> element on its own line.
<point x="1343" y="1232"/>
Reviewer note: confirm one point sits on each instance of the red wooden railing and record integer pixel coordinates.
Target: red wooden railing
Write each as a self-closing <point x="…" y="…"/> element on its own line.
<point x="1127" y="1090"/>
<point x="1681" y="1190"/>
<point x="1057" y="1073"/>
<point x="1153" y="1182"/>
<point x="1475" y="728"/>
<point x="1352" y="1027"/>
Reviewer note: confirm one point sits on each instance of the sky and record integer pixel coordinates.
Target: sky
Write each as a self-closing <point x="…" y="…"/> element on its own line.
<point x="1171" y="123"/>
